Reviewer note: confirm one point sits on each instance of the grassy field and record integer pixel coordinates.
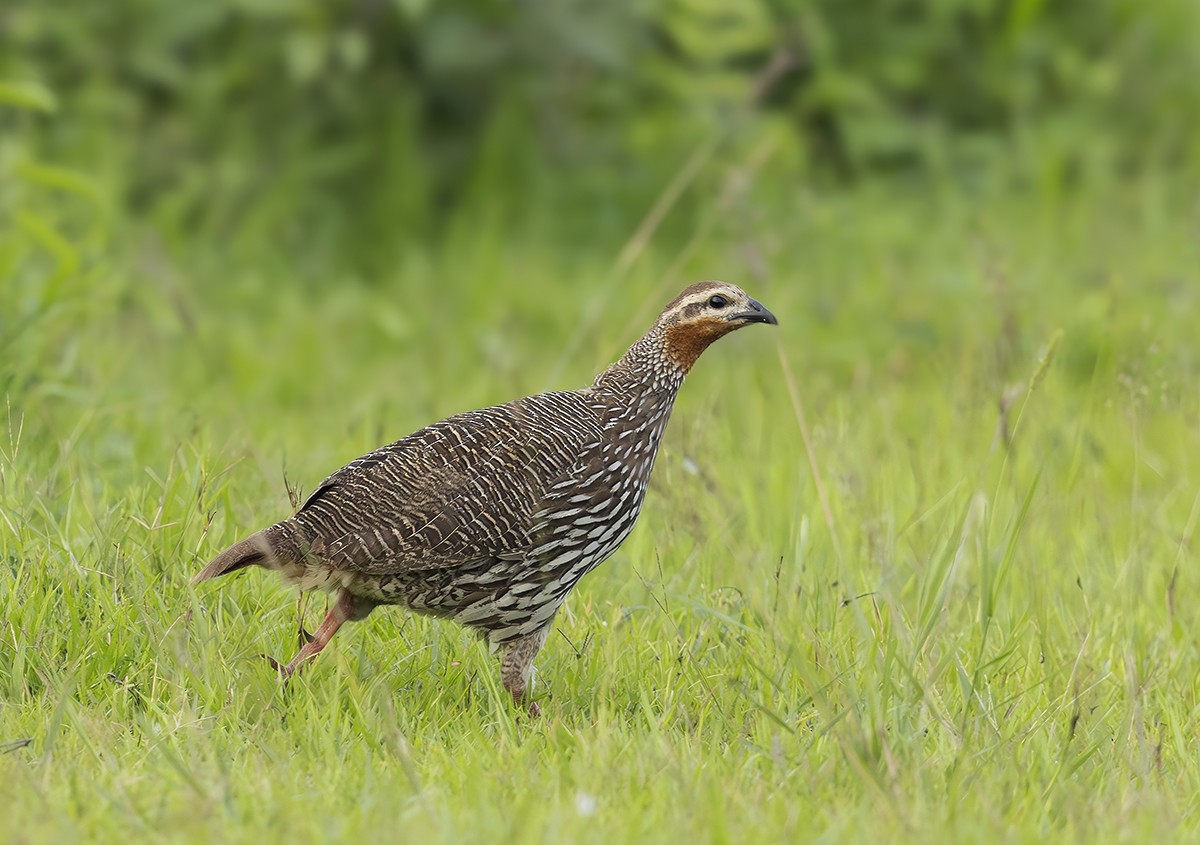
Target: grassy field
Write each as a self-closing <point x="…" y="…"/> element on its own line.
<point x="916" y="564"/>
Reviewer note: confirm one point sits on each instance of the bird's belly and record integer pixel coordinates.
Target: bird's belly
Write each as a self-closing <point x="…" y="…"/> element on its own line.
<point x="506" y="598"/>
<point x="547" y="576"/>
<point x="419" y="592"/>
<point x="306" y="578"/>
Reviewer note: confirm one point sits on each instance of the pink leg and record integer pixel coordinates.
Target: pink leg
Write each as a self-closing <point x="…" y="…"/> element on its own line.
<point x="345" y="609"/>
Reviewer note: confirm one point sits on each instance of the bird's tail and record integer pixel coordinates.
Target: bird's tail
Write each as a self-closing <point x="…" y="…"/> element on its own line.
<point x="255" y="550"/>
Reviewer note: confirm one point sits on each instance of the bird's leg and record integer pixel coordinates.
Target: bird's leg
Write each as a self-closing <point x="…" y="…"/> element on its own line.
<point x="347" y="608"/>
<point x="516" y="667"/>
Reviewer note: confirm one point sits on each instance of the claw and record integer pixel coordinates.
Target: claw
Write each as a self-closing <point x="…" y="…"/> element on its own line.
<point x="523" y="700"/>
<point x="280" y="668"/>
<point x="303" y="638"/>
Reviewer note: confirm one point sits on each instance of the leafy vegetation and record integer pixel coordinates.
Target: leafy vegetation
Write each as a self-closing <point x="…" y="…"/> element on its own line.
<point x="918" y="564"/>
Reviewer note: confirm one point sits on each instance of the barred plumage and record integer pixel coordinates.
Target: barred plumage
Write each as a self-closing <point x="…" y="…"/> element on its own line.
<point x="490" y="517"/>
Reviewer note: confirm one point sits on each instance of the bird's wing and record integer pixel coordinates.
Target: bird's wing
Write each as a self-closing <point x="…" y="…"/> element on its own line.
<point x="462" y="490"/>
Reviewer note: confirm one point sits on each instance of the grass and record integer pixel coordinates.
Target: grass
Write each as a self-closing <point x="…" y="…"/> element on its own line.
<point x="916" y="564"/>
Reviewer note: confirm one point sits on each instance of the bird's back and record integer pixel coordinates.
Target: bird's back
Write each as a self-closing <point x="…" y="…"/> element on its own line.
<point x="462" y="490"/>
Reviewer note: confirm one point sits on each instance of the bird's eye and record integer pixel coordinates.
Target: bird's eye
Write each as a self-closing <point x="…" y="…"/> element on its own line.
<point x="718" y="301"/>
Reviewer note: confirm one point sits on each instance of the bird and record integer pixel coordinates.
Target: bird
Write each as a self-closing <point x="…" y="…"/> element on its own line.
<point x="490" y="518"/>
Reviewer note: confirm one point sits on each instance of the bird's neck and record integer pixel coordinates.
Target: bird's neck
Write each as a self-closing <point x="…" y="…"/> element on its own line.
<point x="645" y="373"/>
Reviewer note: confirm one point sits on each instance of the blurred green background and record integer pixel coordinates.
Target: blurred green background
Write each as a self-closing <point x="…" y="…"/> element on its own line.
<point x="244" y="240"/>
<point x="358" y="132"/>
<point x="160" y="160"/>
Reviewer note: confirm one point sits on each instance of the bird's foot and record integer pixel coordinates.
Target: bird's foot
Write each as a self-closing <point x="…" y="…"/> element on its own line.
<point x="523" y="700"/>
<point x="303" y="638"/>
<point x="310" y="646"/>
<point x="284" y="670"/>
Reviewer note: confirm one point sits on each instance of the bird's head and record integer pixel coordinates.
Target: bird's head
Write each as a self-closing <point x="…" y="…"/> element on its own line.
<point x="704" y="312"/>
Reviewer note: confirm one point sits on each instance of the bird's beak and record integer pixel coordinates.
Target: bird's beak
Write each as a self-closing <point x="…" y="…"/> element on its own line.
<point x="757" y="313"/>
